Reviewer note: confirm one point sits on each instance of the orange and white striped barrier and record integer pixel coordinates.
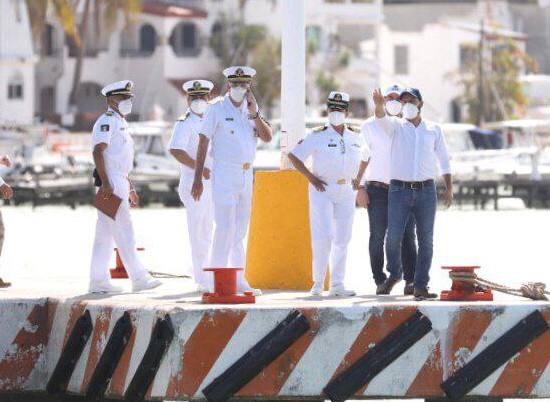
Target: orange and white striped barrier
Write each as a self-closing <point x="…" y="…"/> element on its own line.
<point x="208" y="340"/>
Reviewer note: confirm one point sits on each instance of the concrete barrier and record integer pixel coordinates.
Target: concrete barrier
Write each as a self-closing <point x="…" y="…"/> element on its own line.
<point x="209" y="339"/>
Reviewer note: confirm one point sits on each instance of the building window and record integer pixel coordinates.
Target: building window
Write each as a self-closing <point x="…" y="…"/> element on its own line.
<point x="49" y="41"/>
<point x="468" y="56"/>
<point x="401" y="59"/>
<point x="15" y="87"/>
<point x="147" y="39"/>
<point x="184" y="39"/>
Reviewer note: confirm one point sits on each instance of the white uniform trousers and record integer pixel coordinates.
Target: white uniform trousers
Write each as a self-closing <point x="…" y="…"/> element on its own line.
<point x="331" y="220"/>
<point x="120" y="232"/>
<point x="232" y="195"/>
<point x="200" y="222"/>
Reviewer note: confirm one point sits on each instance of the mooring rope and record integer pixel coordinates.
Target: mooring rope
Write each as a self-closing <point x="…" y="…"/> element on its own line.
<point x="164" y="275"/>
<point x="531" y="290"/>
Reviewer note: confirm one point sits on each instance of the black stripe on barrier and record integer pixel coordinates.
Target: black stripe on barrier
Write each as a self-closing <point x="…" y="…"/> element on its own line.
<point x="495" y="355"/>
<point x="110" y="357"/>
<point x="257" y="358"/>
<point x="70" y="354"/>
<point x="162" y="336"/>
<point x="378" y="358"/>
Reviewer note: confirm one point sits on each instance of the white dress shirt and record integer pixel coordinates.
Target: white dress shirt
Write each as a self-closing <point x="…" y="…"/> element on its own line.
<point x="185" y="137"/>
<point x="232" y="133"/>
<point x="416" y="151"/>
<point x="379" y="145"/>
<point x="334" y="156"/>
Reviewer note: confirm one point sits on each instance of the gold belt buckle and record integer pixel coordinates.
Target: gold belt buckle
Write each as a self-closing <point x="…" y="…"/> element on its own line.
<point x="341" y="181"/>
<point x="246" y="166"/>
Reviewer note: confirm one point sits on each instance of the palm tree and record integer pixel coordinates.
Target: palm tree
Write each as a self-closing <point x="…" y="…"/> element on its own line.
<point x="103" y="12"/>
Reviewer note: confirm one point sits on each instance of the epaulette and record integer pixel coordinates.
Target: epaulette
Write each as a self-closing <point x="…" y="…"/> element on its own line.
<point x="183" y="117"/>
<point x="109" y="113"/>
<point x="352" y="129"/>
<point x="320" y="129"/>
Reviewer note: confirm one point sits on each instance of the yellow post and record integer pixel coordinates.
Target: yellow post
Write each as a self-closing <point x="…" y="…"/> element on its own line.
<point x="279" y="240"/>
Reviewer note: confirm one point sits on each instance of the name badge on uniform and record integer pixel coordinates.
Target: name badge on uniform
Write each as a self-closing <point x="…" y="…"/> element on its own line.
<point x="332" y="145"/>
<point x="357" y="145"/>
<point x="104" y="127"/>
<point x="229" y="119"/>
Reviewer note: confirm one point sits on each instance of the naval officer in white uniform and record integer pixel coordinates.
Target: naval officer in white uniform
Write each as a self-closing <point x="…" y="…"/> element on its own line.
<point x="183" y="146"/>
<point x="113" y="152"/>
<point x="233" y="125"/>
<point x="339" y="157"/>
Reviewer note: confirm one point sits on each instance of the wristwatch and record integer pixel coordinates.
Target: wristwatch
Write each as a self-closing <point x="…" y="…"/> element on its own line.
<point x="254" y="116"/>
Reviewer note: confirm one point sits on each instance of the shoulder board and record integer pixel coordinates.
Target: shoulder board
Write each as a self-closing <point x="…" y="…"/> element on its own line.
<point x="109" y="113"/>
<point x="319" y="129"/>
<point x="352" y="129"/>
<point x="184" y="116"/>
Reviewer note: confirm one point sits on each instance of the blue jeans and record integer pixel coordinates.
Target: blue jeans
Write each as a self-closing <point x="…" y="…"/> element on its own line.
<point x="421" y="204"/>
<point x="378" y="225"/>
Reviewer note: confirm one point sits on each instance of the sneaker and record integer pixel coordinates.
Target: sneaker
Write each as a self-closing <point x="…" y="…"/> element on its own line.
<point x="145" y="283"/>
<point x="386" y="287"/>
<point x="244" y="286"/>
<point x="317" y="289"/>
<point x="4" y="284"/>
<point x="104" y="287"/>
<point x="340" y="291"/>
<point x="409" y="289"/>
<point x="422" y="294"/>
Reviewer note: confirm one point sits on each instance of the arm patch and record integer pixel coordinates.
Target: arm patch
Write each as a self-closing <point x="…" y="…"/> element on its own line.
<point x="104" y="128"/>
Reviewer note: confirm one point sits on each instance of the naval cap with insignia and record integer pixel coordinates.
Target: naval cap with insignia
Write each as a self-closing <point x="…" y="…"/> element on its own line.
<point x="239" y="73"/>
<point x="198" y="87"/>
<point x="338" y="100"/>
<point x="123" y="87"/>
<point x="393" y="89"/>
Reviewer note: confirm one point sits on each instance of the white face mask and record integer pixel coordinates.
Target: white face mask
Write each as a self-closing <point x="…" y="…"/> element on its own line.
<point x="336" y="118"/>
<point x="237" y="93"/>
<point x="125" y="107"/>
<point x="393" y="107"/>
<point x="410" y="111"/>
<point x="199" y="106"/>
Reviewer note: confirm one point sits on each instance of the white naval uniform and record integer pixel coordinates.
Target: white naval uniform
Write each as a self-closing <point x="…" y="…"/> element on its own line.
<point x="335" y="160"/>
<point x="200" y="214"/>
<point x="233" y="146"/>
<point x="113" y="130"/>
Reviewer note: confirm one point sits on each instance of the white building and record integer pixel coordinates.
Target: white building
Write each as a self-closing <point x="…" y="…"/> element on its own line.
<point x="16" y="64"/>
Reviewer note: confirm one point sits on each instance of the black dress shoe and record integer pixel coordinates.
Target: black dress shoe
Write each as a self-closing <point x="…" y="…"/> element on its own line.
<point x="421" y="294"/>
<point x="409" y="289"/>
<point x="386" y="287"/>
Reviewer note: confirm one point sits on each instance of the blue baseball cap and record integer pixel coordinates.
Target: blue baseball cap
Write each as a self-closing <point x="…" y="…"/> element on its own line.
<point x="412" y="91"/>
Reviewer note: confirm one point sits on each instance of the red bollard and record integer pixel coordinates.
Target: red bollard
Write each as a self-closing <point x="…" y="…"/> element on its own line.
<point x="119" y="272"/>
<point x="225" y="288"/>
<point x="465" y="291"/>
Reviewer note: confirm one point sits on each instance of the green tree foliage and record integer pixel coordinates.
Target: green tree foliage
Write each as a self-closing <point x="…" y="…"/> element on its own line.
<point x="503" y="97"/>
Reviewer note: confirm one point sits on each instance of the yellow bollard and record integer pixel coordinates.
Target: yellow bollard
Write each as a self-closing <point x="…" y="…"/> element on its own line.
<point x="279" y="240"/>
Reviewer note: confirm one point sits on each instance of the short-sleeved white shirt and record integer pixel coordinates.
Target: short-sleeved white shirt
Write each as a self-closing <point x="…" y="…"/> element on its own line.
<point x="112" y="129"/>
<point x="232" y="134"/>
<point x="185" y="136"/>
<point x="334" y="156"/>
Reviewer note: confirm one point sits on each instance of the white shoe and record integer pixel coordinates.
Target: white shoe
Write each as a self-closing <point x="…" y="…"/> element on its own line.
<point x="316" y="289"/>
<point x="145" y="283"/>
<point x="340" y="291"/>
<point x="245" y="287"/>
<point x="104" y="287"/>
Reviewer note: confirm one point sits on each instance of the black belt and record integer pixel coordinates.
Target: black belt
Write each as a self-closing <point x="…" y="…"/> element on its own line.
<point x="378" y="184"/>
<point x="413" y="185"/>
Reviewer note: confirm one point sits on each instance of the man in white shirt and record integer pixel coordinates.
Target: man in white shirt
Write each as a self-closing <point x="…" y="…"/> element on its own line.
<point x="375" y="196"/>
<point x="183" y="147"/>
<point x="113" y="152"/>
<point x="338" y="155"/>
<point x="233" y="125"/>
<point x="417" y="148"/>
